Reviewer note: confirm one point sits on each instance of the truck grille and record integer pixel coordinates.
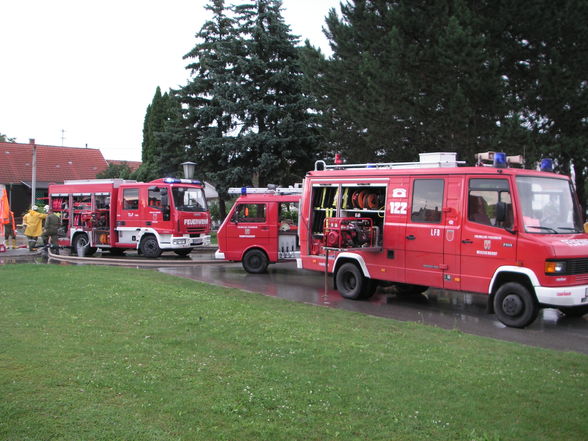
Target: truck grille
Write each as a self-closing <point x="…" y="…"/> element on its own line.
<point x="195" y="230"/>
<point x="576" y="266"/>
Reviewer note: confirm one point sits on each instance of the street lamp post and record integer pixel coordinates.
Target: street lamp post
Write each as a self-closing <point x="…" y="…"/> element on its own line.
<point x="189" y="168"/>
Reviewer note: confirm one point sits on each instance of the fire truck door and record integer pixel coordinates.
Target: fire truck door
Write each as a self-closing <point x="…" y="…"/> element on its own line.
<point x="249" y="227"/>
<point x="424" y="234"/>
<point x="453" y="209"/>
<point x="486" y="242"/>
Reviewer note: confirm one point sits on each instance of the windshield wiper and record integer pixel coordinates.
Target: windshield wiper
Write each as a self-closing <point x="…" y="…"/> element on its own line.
<point x="552" y="230"/>
<point x="574" y="230"/>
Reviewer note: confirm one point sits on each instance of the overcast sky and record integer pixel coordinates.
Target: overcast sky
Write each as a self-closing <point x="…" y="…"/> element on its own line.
<point x="80" y="73"/>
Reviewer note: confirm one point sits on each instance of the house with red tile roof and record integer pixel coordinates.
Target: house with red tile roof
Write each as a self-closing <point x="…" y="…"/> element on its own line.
<point x="53" y="165"/>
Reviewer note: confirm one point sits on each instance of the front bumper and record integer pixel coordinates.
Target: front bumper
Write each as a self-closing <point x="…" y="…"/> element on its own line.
<point x="564" y="296"/>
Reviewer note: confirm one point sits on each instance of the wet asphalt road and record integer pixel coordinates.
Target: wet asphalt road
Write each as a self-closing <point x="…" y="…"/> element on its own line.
<point x="448" y="310"/>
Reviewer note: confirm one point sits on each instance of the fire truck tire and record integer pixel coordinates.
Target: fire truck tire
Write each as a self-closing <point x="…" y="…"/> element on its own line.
<point x="81" y="246"/>
<point x="515" y="306"/>
<point x="184" y="252"/>
<point x="577" y="311"/>
<point x="149" y="247"/>
<point x="352" y="284"/>
<point x="255" y="262"/>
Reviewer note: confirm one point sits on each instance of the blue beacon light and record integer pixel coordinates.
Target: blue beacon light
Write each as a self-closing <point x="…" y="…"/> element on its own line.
<point x="500" y="160"/>
<point x="546" y="165"/>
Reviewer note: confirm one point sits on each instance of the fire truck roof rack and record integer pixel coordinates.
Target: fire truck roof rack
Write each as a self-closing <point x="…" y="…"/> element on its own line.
<point x="427" y="160"/>
<point x="270" y="189"/>
<point x="100" y="181"/>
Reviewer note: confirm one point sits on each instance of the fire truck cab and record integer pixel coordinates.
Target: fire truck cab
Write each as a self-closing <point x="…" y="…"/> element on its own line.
<point x="261" y="228"/>
<point x="515" y="235"/>
<point x="113" y="214"/>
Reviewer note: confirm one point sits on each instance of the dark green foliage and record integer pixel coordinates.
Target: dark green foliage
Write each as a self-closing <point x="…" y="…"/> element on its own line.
<point x="116" y="171"/>
<point x="163" y="147"/>
<point x="408" y="77"/>
<point x="542" y="46"/>
<point x="455" y="75"/>
<point x="4" y="138"/>
<point x="275" y="131"/>
<point x="247" y="120"/>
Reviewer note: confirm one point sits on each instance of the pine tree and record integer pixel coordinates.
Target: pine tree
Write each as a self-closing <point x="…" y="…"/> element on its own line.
<point x="162" y="149"/>
<point x="210" y="98"/>
<point x="409" y="77"/>
<point x="275" y="138"/>
<point x="542" y="47"/>
<point x="247" y="120"/>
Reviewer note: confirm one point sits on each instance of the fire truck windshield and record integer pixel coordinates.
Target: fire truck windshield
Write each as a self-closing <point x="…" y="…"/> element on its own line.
<point x="548" y="206"/>
<point x="189" y="199"/>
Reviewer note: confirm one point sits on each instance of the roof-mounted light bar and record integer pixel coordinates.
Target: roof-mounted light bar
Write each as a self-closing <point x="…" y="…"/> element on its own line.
<point x="181" y="181"/>
<point x="270" y="189"/>
<point x="498" y="160"/>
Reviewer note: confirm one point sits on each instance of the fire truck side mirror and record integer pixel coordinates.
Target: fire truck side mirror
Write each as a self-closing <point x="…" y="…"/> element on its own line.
<point x="500" y="212"/>
<point x="165" y="204"/>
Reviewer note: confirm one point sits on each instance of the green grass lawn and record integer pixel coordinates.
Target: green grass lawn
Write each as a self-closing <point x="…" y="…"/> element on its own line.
<point x="101" y="353"/>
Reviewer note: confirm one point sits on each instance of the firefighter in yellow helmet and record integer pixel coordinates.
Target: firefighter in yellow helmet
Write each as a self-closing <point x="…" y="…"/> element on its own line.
<point x="34" y="221"/>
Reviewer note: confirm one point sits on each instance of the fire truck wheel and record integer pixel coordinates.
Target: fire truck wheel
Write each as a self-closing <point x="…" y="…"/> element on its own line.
<point x="184" y="252"/>
<point x="255" y="261"/>
<point x="577" y="311"/>
<point x="352" y="284"/>
<point x="149" y="247"/>
<point x="81" y="246"/>
<point x="515" y="306"/>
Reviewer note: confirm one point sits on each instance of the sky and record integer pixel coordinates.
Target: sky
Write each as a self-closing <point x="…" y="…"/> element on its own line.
<point x="81" y="74"/>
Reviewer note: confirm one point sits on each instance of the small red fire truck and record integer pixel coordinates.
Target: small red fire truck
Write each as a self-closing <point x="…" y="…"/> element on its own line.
<point x="513" y="234"/>
<point x="261" y="227"/>
<point x="113" y="214"/>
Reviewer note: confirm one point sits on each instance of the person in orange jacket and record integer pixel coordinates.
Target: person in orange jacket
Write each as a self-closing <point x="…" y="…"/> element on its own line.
<point x="10" y="230"/>
<point x="34" y="222"/>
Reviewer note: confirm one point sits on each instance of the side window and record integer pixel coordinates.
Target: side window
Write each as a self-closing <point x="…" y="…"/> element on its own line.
<point x="250" y="213"/>
<point x="427" y="200"/>
<point x="490" y="203"/>
<point x="131" y="199"/>
<point x="154" y="198"/>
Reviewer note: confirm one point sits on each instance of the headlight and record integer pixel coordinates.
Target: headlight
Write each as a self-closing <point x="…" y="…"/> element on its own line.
<point x="180" y="241"/>
<point x="553" y="268"/>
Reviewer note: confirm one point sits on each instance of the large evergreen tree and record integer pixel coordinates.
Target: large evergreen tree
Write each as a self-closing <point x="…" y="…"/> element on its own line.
<point x="275" y="136"/>
<point x="163" y="147"/>
<point x="542" y="46"/>
<point x="248" y="122"/>
<point x="210" y="100"/>
<point x="408" y="77"/>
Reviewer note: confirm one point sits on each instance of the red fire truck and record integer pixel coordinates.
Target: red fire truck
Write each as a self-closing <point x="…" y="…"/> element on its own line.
<point x="515" y="235"/>
<point x="261" y="227"/>
<point x="113" y="214"/>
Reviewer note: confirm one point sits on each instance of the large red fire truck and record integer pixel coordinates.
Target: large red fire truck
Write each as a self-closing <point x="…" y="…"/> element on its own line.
<point x="515" y="235"/>
<point x="113" y="214"/>
<point x="261" y="227"/>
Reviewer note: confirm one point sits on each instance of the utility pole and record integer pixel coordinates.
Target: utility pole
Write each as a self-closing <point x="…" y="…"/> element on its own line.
<point x="34" y="177"/>
<point x="62" y="136"/>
